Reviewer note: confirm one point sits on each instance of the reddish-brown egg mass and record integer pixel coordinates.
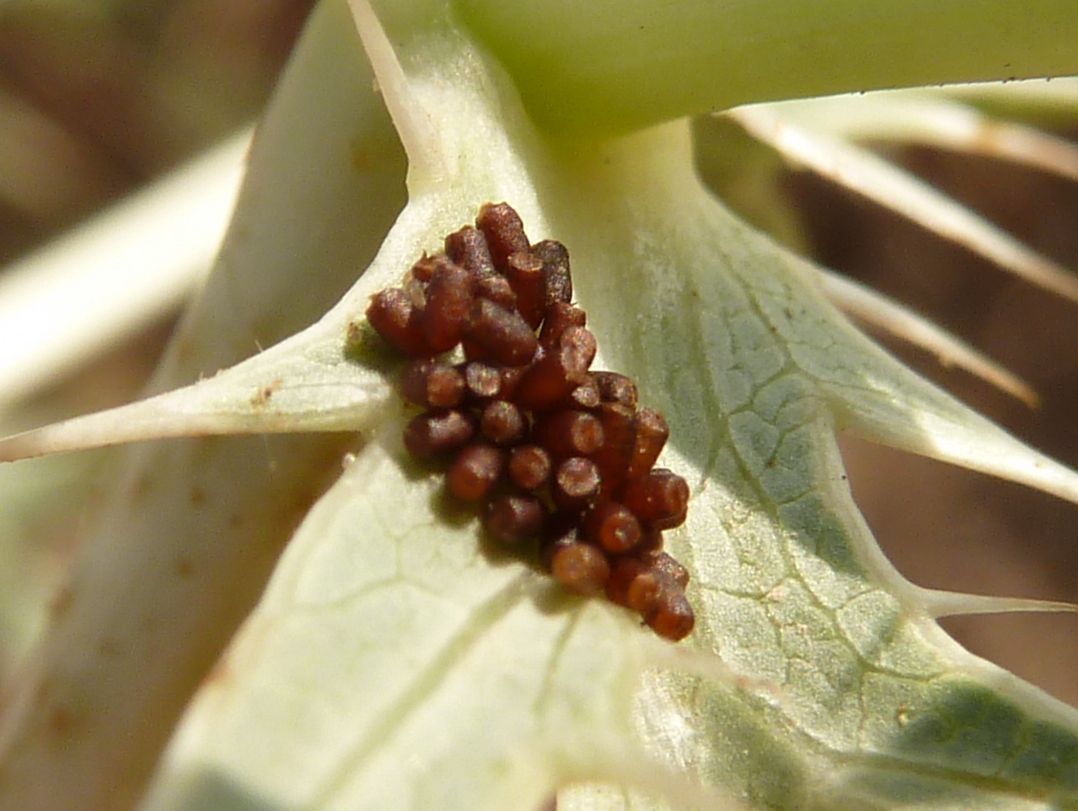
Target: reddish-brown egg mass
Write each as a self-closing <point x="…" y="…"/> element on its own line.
<point x="555" y="453"/>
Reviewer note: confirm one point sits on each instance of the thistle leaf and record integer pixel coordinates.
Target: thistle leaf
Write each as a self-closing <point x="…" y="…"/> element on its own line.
<point x="442" y="675"/>
<point x="398" y="661"/>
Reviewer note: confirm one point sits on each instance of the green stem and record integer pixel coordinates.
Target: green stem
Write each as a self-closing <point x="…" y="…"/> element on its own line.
<point x="608" y="65"/>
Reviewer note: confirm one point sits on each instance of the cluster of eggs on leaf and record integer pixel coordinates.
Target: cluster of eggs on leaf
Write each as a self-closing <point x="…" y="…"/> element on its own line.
<point x="552" y="451"/>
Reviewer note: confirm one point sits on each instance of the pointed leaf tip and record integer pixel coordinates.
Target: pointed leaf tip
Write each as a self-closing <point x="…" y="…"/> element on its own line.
<point x="886" y="314"/>
<point x="307" y="383"/>
<point x="940" y="604"/>
<point x="866" y="173"/>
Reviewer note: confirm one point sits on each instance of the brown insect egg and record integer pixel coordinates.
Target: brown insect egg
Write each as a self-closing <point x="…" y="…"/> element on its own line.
<point x="634" y="586"/>
<point x="423" y="270"/>
<point x="413" y="381"/>
<point x="569" y="433"/>
<point x="558" y="317"/>
<point x="502" y="423"/>
<point x="497" y="289"/>
<point x="543" y="385"/>
<point x="525" y="273"/>
<point x="623" y="570"/>
<point x="481" y="380"/>
<point x="576" y="350"/>
<point x="503" y="230"/>
<point x="580" y="568"/>
<point x="557" y="372"/>
<point x="619" y="430"/>
<point x="445" y="387"/>
<point x="553" y="452"/>
<point x="659" y="498"/>
<point x="475" y="471"/>
<point x="672" y="618"/>
<point x="529" y="467"/>
<point x="560" y="531"/>
<point x="651" y="542"/>
<point x="613" y="527"/>
<point x="432" y="384"/>
<point x="511" y="376"/>
<point x="449" y="304"/>
<point x="644" y="593"/>
<point x="434" y="433"/>
<point x="512" y="519"/>
<point x="584" y="397"/>
<point x="395" y="318"/>
<point x="558" y="280"/>
<point x="475" y="351"/>
<point x="651" y="435"/>
<point x="502" y="334"/>
<point x="615" y="388"/>
<point x="468" y="248"/>
<point x="665" y="566"/>
<point x="576" y="484"/>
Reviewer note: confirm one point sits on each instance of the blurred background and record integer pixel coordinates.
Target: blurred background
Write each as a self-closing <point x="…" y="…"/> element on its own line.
<point x="98" y="99"/>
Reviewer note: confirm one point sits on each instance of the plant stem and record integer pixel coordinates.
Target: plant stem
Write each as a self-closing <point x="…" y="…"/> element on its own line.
<point x="615" y="65"/>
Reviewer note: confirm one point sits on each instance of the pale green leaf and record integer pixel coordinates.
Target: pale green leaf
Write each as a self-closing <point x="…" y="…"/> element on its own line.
<point x="394" y="663"/>
<point x="397" y="661"/>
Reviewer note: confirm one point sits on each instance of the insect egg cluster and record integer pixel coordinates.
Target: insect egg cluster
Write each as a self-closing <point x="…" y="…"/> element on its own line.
<point x="551" y="450"/>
